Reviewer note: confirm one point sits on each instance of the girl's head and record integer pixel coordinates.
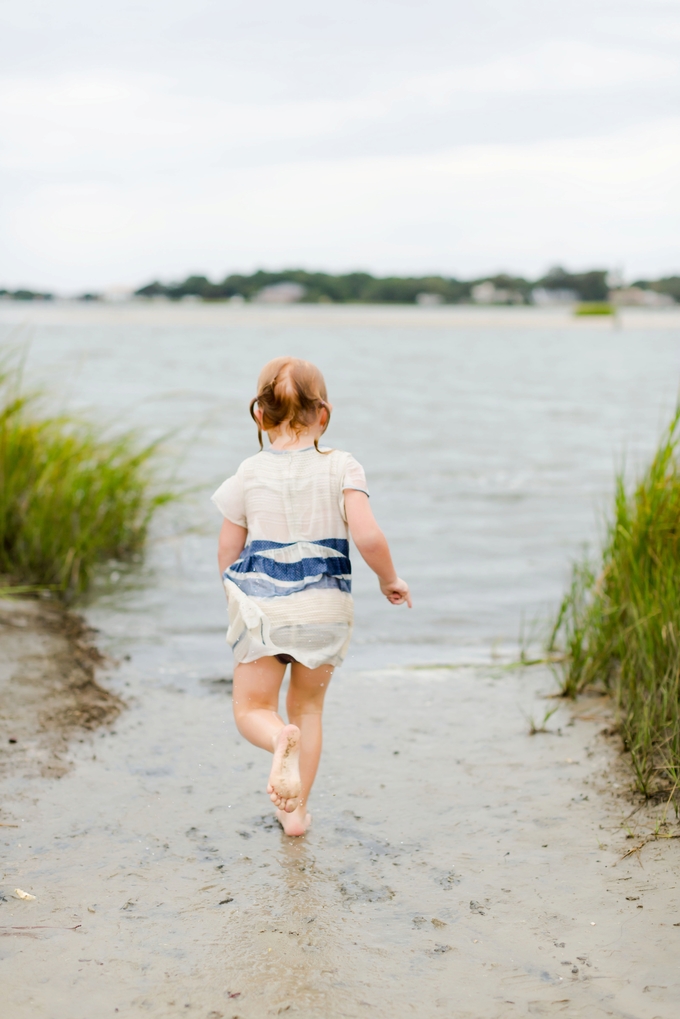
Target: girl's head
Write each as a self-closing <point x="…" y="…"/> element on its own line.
<point x="291" y="392"/>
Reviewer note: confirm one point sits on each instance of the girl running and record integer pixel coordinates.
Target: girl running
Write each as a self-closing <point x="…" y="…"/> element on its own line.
<point x="284" y="559"/>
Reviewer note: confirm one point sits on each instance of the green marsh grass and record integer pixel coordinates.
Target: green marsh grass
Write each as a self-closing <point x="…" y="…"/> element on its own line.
<point x="594" y="308"/>
<point x="71" y="498"/>
<point x="619" y="623"/>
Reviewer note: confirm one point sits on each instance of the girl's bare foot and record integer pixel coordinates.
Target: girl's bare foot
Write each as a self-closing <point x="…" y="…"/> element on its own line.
<point x="284" y="778"/>
<point x="295" y="823"/>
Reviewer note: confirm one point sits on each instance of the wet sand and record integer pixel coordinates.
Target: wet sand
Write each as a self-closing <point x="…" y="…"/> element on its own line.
<point x="457" y="866"/>
<point x="48" y="689"/>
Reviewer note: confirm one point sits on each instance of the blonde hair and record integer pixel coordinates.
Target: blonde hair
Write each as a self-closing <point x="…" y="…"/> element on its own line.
<point x="292" y="391"/>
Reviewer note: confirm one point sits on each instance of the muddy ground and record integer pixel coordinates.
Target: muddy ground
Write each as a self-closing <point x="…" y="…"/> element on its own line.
<point x="48" y="689"/>
<point x="457" y="866"/>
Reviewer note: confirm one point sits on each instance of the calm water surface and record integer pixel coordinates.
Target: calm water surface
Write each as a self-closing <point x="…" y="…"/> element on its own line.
<point x="490" y="448"/>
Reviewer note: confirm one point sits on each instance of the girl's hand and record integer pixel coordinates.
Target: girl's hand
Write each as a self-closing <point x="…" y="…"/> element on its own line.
<point x="372" y="545"/>
<point x="396" y="592"/>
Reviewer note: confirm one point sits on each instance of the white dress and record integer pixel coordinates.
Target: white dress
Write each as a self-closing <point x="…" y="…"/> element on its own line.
<point x="289" y="592"/>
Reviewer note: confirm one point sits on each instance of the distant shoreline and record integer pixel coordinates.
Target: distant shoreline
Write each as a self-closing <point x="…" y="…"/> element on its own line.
<point x="222" y="314"/>
<point x="557" y="288"/>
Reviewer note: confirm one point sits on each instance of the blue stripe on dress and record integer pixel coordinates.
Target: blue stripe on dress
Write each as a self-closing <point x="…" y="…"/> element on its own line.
<point x="261" y="576"/>
<point x="338" y="566"/>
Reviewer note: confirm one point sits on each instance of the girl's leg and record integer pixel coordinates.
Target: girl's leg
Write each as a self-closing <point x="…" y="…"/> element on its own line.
<point x="306" y="695"/>
<point x="256" y="701"/>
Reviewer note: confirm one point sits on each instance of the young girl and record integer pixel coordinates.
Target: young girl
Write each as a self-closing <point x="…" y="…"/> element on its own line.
<point x="288" y="588"/>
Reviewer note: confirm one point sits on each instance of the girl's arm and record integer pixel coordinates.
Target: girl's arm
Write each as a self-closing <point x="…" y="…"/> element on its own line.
<point x="372" y="545"/>
<point x="231" y="543"/>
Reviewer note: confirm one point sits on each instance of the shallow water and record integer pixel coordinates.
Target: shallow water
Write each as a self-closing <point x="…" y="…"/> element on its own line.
<point x="456" y="866"/>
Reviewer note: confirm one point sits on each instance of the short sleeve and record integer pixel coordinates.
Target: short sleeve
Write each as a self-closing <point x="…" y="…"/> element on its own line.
<point x="354" y="476"/>
<point x="230" y="500"/>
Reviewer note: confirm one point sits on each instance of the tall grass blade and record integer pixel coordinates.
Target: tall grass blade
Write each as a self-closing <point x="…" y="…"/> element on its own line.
<point x="71" y="499"/>
<point x="619" y="626"/>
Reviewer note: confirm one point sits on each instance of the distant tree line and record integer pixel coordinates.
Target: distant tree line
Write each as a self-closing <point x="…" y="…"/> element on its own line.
<point x="668" y="285"/>
<point x="318" y="287"/>
<point x="362" y="287"/>
<point x="25" y="295"/>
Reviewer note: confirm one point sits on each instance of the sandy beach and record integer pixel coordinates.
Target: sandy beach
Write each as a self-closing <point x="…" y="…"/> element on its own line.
<point x="315" y="316"/>
<point x="456" y="866"/>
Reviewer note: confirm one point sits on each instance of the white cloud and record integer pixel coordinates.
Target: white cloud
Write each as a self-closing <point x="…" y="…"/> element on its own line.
<point x="109" y="122"/>
<point x="463" y="211"/>
<point x="567" y="66"/>
<point x="376" y="138"/>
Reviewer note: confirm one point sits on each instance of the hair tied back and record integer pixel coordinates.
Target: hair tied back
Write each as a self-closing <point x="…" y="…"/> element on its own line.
<point x="252" y="414"/>
<point x="290" y="391"/>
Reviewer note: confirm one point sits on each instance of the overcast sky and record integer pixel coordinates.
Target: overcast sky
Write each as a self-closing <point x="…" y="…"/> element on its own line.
<point x="151" y="139"/>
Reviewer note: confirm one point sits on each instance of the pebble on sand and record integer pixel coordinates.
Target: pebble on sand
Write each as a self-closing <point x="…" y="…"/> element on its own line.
<point x="20" y="894"/>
